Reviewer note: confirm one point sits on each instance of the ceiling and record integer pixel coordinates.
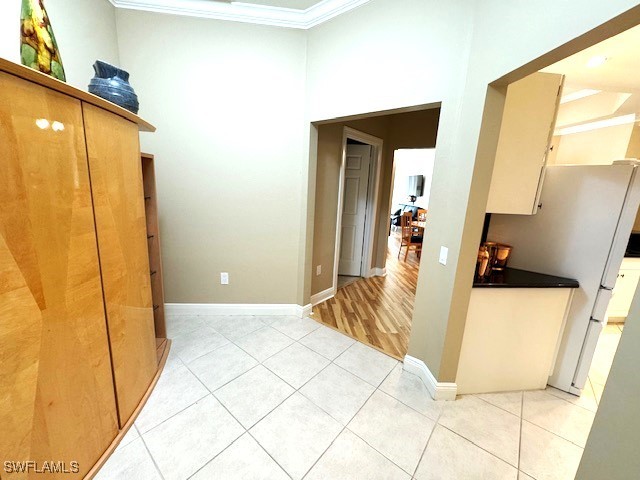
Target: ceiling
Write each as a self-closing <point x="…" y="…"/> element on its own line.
<point x="620" y="73"/>
<point x="302" y="14"/>
<point x="295" y="4"/>
<point x="616" y="82"/>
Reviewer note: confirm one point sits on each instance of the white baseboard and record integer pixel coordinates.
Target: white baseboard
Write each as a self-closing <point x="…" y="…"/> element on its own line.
<point x="377" y="272"/>
<point x="437" y="390"/>
<point x="304" y="312"/>
<point x="237" y="309"/>
<point x="322" y="296"/>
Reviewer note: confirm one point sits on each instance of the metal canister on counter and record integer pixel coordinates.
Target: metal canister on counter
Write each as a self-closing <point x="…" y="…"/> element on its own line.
<point x="498" y="255"/>
<point x="483" y="268"/>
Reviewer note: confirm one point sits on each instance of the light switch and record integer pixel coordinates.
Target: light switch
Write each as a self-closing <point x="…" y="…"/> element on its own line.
<point x="318" y="270"/>
<point x="224" y="278"/>
<point x="444" y="253"/>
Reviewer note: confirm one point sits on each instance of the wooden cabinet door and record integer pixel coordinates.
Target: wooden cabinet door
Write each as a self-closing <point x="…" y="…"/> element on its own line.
<point x="57" y="399"/>
<point x="529" y="117"/>
<point x="116" y="182"/>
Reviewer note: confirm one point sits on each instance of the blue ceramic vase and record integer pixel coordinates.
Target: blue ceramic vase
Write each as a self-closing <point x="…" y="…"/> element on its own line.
<point x="112" y="83"/>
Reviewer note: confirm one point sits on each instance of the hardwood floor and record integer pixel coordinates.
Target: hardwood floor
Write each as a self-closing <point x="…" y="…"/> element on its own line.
<point x="377" y="310"/>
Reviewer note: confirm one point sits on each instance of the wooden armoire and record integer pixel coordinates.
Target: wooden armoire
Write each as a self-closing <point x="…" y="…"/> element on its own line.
<point x="78" y="343"/>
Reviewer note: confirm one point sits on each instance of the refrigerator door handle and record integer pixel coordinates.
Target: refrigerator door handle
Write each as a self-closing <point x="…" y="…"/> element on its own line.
<point x="599" y="312"/>
<point x="588" y="351"/>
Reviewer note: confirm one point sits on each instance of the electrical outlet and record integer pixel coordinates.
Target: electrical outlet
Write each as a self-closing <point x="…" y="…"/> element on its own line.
<point x="224" y="278"/>
<point x="318" y="270"/>
<point x="444" y="253"/>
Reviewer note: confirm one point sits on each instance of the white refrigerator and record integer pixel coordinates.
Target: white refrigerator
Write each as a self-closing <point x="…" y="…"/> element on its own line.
<point x="580" y="231"/>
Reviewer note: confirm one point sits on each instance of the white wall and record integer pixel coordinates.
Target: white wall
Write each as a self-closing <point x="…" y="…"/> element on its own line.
<point x="85" y="31"/>
<point x="409" y="162"/>
<point x="227" y="99"/>
<point x="594" y="147"/>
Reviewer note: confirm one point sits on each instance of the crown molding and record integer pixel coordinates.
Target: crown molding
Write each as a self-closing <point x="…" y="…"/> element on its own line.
<point x="246" y="12"/>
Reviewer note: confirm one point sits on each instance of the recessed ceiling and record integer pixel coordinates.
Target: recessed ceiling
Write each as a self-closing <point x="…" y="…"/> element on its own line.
<point x="619" y="73"/>
<point x="596" y="90"/>
<point x="295" y="4"/>
<point x="301" y="14"/>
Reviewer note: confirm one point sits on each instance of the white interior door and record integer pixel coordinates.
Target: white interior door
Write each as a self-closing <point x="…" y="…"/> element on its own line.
<point x="354" y="209"/>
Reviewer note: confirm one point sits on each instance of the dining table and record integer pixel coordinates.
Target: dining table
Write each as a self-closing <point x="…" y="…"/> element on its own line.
<point x="419" y="224"/>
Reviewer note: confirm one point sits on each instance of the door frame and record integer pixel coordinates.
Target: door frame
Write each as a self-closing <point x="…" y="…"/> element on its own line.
<point x="371" y="215"/>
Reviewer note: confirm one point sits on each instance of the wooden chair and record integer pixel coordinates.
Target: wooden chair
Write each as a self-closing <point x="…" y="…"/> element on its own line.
<point x="409" y="238"/>
<point x="422" y="215"/>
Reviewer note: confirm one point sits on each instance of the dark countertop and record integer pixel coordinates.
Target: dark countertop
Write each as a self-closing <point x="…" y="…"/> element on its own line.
<point x="514" y="278"/>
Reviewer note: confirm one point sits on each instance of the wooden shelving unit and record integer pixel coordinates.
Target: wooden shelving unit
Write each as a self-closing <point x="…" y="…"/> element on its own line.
<point x="153" y="242"/>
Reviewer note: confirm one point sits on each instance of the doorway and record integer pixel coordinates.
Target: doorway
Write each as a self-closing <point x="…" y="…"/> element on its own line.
<point x="358" y="194"/>
<point x="584" y="223"/>
<point x="374" y="302"/>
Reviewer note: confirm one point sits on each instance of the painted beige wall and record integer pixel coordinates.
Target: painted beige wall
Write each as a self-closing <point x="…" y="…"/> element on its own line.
<point x="424" y="55"/>
<point x="228" y="101"/>
<point x="85" y="31"/>
<point x="500" y="47"/>
<point x="612" y="448"/>
<point x="326" y="201"/>
<point x="403" y="130"/>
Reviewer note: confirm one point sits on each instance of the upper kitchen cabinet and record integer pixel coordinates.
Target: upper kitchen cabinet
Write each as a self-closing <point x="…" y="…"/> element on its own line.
<point x="530" y="112"/>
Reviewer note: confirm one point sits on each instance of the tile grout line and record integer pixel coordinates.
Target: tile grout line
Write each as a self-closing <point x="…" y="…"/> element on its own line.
<point x="296" y="390"/>
<point x="246" y="430"/>
<point x="345" y="427"/>
<point x="568" y="401"/>
<point x="215" y="398"/>
<point x="474" y="395"/>
<point x="554" y="434"/>
<point x="479" y="446"/>
<point x="520" y="436"/>
<point x="170" y="417"/>
<point x="424" y="450"/>
<point x="593" y="390"/>
<point x="265" y="451"/>
<point x="155" y="464"/>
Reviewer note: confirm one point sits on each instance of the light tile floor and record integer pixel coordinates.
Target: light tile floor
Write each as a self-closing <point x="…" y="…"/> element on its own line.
<point x="285" y="398"/>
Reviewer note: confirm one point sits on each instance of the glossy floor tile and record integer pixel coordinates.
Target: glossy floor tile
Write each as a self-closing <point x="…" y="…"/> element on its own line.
<point x="546" y="456"/>
<point x="243" y="460"/>
<point x="184" y="443"/>
<point x="279" y="400"/>
<point x="409" y="389"/>
<point x="264" y="343"/>
<point x="491" y="428"/>
<point x="367" y="363"/>
<point x="296" y="364"/>
<point x="296" y="434"/>
<point x="131" y="462"/>
<point x="253" y="395"/>
<point x="395" y="430"/>
<point x="350" y="458"/>
<point x="565" y="419"/>
<point x="221" y="366"/>
<point x="327" y="342"/>
<point x="176" y="390"/>
<point x="452" y="457"/>
<point x="338" y="392"/>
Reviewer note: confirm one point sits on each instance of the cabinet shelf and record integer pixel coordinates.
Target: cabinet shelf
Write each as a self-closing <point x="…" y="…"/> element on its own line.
<point x="153" y="243"/>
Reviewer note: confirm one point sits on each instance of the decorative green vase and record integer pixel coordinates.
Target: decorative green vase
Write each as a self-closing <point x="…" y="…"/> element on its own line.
<point x="38" y="46"/>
